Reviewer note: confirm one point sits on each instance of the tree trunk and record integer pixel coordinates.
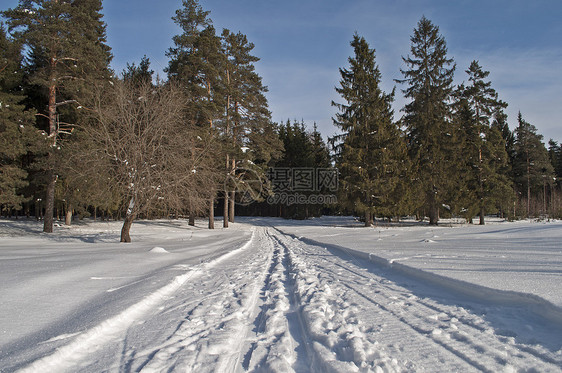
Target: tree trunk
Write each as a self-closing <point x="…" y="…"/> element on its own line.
<point x="482" y="222"/>
<point x="49" y="203"/>
<point x="51" y="177"/>
<point x="433" y="213"/>
<point x="225" y="210"/>
<point x="68" y="216"/>
<point x="368" y="219"/>
<point x="125" y="237"/>
<point x="191" y="219"/>
<point x="231" y="206"/>
<point x="211" y="213"/>
<point x="232" y="195"/>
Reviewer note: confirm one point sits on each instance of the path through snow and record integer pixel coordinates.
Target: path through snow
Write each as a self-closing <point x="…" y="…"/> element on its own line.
<point x="280" y="304"/>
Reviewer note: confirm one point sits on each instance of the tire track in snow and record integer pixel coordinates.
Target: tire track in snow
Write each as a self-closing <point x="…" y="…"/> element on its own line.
<point x="279" y="344"/>
<point x="451" y="328"/>
<point x="335" y="332"/>
<point x="214" y="313"/>
<point x="456" y="323"/>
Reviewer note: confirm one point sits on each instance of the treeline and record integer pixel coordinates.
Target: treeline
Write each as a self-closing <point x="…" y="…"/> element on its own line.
<point x="451" y="153"/>
<point x="80" y="139"/>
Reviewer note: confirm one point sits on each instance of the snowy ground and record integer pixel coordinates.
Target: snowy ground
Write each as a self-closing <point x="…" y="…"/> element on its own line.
<point x="274" y="295"/>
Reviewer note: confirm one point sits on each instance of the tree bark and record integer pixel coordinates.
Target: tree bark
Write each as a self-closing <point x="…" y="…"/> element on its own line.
<point x="49" y="203"/>
<point x="482" y="222"/>
<point x="232" y="195"/>
<point x="68" y="216"/>
<point x="191" y="219"/>
<point x="368" y="219"/>
<point x="51" y="178"/>
<point x="433" y="212"/>
<point x="231" y="206"/>
<point x="125" y="237"/>
<point x="211" y="213"/>
<point x="225" y="210"/>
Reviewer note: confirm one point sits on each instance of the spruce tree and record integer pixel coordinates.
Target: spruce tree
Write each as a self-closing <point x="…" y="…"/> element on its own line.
<point x="140" y="74"/>
<point x="247" y="122"/>
<point x="532" y="168"/>
<point x="430" y="136"/>
<point x="17" y="134"/>
<point x="485" y="160"/>
<point x="196" y="62"/>
<point x="67" y="52"/>
<point x="370" y="151"/>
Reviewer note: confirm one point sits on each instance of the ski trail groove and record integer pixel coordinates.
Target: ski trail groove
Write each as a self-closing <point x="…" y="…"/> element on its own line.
<point x="446" y="327"/>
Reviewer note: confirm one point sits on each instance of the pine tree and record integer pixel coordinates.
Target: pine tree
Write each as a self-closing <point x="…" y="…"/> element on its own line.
<point x="17" y="134"/>
<point x="430" y="136"/>
<point x="305" y="152"/>
<point x="532" y="167"/>
<point x="196" y="62"/>
<point x="247" y="121"/>
<point x="484" y="153"/>
<point x="140" y="74"/>
<point x="370" y="152"/>
<point x="67" y="52"/>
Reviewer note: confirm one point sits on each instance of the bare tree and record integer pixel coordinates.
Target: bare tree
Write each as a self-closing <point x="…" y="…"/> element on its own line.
<point x="156" y="159"/>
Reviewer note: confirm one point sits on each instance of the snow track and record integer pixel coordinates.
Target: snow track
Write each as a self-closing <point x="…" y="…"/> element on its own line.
<point x="281" y="304"/>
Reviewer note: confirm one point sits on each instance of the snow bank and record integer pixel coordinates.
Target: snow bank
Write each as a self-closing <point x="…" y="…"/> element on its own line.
<point x="538" y="305"/>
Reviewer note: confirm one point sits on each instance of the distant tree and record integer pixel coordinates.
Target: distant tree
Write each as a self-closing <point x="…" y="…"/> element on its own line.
<point x="555" y="155"/>
<point x="532" y="167"/>
<point x="370" y="152"/>
<point x="429" y="133"/>
<point x="139" y="74"/>
<point x="303" y="149"/>
<point x="484" y="155"/>
<point x="67" y="52"/>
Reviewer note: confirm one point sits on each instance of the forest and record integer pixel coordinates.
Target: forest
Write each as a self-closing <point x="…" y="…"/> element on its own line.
<point x="78" y="139"/>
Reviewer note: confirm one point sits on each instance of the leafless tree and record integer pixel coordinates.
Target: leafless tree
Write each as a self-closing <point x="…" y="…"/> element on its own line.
<point x="155" y="157"/>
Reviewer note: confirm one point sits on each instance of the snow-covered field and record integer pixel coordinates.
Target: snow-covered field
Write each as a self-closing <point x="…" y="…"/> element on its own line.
<point x="275" y="295"/>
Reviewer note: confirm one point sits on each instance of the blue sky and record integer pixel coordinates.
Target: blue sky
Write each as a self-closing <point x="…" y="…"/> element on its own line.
<point x="303" y="43"/>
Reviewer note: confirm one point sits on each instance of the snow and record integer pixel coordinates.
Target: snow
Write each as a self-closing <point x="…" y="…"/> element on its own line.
<point x="323" y="295"/>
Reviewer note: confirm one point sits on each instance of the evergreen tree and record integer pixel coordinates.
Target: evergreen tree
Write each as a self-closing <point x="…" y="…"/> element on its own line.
<point x="430" y="136"/>
<point x="67" y="52"/>
<point x="532" y="167"/>
<point x="304" y="154"/>
<point x="247" y="121"/>
<point x="370" y="151"/>
<point x="555" y="155"/>
<point x="17" y="134"/>
<point x="140" y="74"/>
<point x="196" y="62"/>
<point x="485" y="159"/>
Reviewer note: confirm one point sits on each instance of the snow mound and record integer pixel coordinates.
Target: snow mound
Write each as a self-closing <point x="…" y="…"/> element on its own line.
<point x="159" y="250"/>
<point x="427" y="241"/>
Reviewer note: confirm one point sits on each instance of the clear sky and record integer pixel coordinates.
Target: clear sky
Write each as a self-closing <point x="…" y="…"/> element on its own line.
<point x="303" y="43"/>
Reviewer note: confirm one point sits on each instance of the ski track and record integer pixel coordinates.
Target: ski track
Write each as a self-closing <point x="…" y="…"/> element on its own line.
<point x="279" y="304"/>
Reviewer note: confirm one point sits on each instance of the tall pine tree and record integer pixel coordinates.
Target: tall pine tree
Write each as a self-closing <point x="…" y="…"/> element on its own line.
<point x="532" y="168"/>
<point x="67" y="52"/>
<point x="430" y="136"/>
<point x="485" y="160"/>
<point x="370" y="151"/>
